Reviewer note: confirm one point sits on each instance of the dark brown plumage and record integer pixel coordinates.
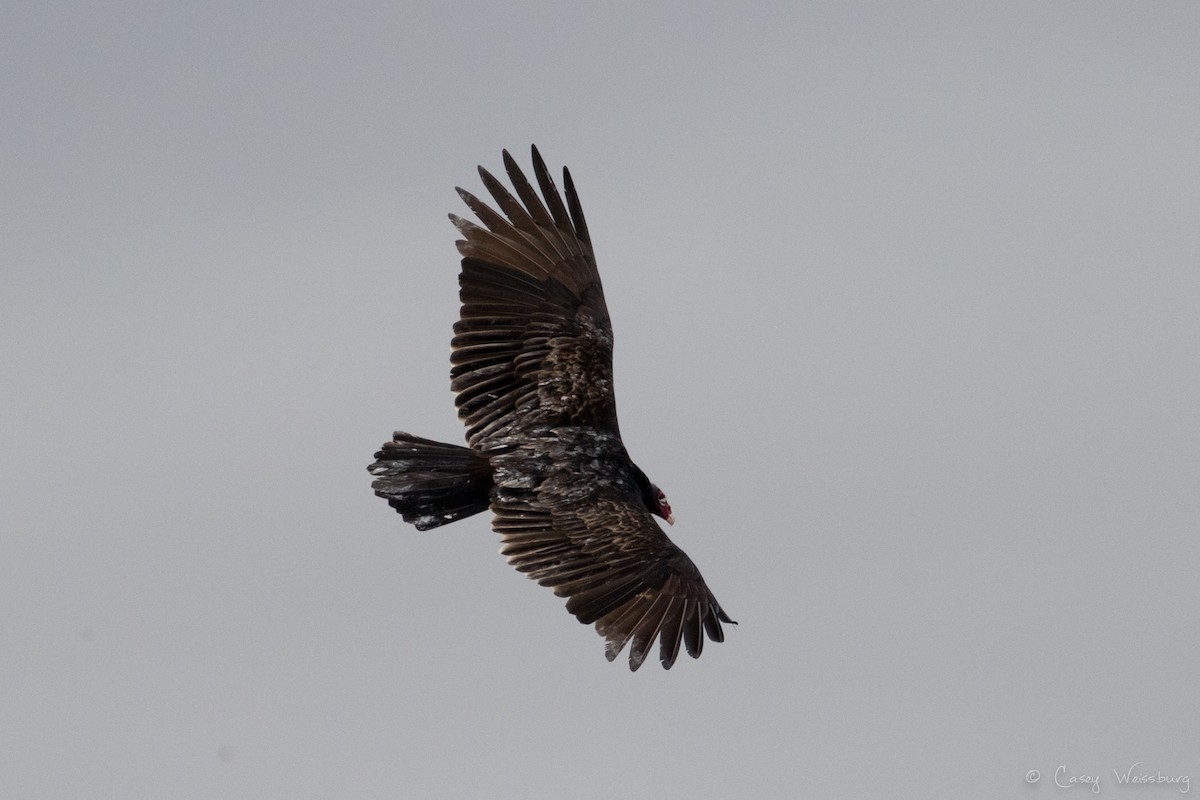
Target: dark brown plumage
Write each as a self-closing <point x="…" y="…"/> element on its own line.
<point x="532" y="370"/>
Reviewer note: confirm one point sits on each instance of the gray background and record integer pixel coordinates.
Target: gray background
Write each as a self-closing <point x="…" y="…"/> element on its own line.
<point x="906" y="301"/>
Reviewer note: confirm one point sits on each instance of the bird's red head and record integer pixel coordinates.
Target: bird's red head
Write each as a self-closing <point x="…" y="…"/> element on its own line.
<point x="652" y="496"/>
<point x="661" y="507"/>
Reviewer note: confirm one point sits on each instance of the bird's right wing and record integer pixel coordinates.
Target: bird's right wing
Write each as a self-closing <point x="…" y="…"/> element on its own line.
<point x="533" y="344"/>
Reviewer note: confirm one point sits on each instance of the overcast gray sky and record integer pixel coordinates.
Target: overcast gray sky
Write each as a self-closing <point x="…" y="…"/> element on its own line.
<point x="907" y="304"/>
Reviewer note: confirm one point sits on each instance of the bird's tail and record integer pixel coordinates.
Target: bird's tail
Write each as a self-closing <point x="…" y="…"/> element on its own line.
<point x="431" y="483"/>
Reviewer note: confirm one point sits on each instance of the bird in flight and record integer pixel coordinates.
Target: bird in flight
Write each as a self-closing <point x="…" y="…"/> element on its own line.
<point x="531" y="368"/>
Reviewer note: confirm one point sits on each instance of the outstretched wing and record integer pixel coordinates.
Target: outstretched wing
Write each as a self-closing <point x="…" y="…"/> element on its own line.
<point x="587" y="535"/>
<point x="533" y="344"/>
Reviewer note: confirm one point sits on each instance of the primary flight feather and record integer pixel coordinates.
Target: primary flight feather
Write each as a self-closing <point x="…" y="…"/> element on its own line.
<point x="531" y="365"/>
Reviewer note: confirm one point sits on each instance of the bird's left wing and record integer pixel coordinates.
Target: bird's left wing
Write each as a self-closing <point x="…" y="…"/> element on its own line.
<point x="603" y="551"/>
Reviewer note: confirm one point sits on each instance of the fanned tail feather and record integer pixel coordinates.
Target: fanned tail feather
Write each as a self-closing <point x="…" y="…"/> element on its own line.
<point x="431" y="483"/>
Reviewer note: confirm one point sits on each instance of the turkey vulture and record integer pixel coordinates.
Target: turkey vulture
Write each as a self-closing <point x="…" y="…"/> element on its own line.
<point x="531" y="365"/>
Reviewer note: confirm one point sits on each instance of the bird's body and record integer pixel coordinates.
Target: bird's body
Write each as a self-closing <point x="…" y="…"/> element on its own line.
<point x="532" y="370"/>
